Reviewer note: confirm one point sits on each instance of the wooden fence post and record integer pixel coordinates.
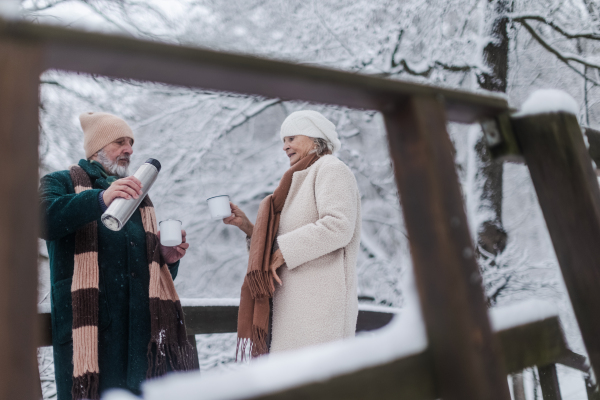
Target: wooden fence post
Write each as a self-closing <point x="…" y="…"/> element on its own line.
<point x="466" y="357"/>
<point x="549" y="382"/>
<point x="20" y="68"/>
<point x="568" y="193"/>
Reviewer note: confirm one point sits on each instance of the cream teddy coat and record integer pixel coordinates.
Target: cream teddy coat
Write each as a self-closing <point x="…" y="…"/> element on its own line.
<point x="319" y="237"/>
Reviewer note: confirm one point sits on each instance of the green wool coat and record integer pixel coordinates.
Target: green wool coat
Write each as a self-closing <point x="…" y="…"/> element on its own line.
<point x="124" y="310"/>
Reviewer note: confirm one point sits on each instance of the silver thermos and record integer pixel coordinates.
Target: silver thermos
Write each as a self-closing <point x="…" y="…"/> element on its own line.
<point x="120" y="210"/>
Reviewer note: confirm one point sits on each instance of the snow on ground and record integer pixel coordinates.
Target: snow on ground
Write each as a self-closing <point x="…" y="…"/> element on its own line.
<point x="548" y="101"/>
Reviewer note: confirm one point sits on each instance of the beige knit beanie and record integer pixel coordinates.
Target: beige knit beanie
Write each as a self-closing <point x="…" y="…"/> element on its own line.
<point x="100" y="129"/>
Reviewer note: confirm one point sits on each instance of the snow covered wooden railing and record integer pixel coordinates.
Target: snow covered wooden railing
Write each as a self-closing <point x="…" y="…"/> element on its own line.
<point x="204" y="316"/>
<point x="464" y="355"/>
<point x="393" y="363"/>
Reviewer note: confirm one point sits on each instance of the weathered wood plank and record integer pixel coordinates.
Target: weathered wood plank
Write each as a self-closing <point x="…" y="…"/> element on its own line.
<point x="129" y="58"/>
<point x="538" y="343"/>
<point x="549" y="382"/>
<point x="568" y="193"/>
<point x="407" y="378"/>
<point x="574" y="360"/>
<point x="223" y="319"/>
<point x="20" y="67"/>
<point x="465" y="354"/>
<point x="412" y="377"/>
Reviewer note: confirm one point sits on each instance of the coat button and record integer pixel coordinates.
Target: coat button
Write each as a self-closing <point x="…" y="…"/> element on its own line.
<point x="132" y="244"/>
<point x="133" y="274"/>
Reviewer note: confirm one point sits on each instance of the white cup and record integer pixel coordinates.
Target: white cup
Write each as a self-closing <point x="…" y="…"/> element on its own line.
<point x="170" y="232"/>
<point x="219" y="206"/>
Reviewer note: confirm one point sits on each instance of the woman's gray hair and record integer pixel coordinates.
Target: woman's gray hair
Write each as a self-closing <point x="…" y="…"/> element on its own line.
<point x="322" y="146"/>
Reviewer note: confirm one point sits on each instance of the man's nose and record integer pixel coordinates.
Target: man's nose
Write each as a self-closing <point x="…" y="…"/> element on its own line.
<point x="128" y="149"/>
<point x="285" y="146"/>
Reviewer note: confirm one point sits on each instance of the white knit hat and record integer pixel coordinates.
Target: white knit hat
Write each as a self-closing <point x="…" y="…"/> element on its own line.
<point x="100" y="129"/>
<point x="312" y="124"/>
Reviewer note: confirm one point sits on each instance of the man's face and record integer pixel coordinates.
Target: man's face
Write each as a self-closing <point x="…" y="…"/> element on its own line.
<point x="119" y="151"/>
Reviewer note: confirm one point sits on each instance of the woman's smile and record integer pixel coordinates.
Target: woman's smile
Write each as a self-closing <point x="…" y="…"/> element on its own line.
<point x="297" y="147"/>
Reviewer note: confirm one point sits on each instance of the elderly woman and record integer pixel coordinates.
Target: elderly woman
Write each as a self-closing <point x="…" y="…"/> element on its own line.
<point x="306" y="238"/>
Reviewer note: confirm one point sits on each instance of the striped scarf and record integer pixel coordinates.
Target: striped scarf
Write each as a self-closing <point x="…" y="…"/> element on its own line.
<point x="168" y="346"/>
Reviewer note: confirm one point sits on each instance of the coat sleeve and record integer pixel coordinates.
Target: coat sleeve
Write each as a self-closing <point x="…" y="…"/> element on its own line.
<point x="63" y="212"/>
<point x="174" y="269"/>
<point x="336" y="195"/>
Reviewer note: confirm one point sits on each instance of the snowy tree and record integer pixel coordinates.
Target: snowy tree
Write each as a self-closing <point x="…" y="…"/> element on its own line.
<point x="211" y="143"/>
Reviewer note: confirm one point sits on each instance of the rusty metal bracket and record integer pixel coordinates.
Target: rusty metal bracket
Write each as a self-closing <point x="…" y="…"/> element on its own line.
<point x="500" y="139"/>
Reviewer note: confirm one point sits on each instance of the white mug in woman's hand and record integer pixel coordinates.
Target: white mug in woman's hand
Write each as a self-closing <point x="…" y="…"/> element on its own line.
<point x="170" y="232"/>
<point x="219" y="206"/>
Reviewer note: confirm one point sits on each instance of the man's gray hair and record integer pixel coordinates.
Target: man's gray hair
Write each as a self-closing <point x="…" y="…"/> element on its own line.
<point x="322" y="146"/>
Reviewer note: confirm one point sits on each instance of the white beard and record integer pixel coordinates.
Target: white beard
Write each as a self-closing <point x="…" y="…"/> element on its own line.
<point x="113" y="167"/>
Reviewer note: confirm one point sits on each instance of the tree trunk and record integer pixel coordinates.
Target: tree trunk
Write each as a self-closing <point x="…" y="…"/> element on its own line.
<point x="491" y="236"/>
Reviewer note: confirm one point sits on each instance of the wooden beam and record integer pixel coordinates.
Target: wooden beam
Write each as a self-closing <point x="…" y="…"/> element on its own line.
<point x="465" y="354"/>
<point x="223" y="319"/>
<point x="212" y="319"/>
<point x="129" y="58"/>
<point x="538" y="343"/>
<point x="569" y="196"/>
<point x="20" y="67"/>
<point x="407" y="378"/>
<point x="549" y="382"/>
<point x="413" y="378"/>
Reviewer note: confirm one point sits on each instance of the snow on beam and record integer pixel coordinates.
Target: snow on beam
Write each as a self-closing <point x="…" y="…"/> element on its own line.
<point x="390" y="364"/>
<point x="125" y="57"/>
<point x="546" y="101"/>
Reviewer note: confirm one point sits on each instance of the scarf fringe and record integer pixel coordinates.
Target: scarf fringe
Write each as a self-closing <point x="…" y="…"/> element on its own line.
<point x="253" y="347"/>
<point x="260" y="284"/>
<point x="86" y="387"/>
<point x="168" y="340"/>
<point x="180" y="357"/>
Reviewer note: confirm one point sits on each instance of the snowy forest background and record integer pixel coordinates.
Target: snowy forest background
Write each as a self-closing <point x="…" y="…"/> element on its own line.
<point x="223" y="143"/>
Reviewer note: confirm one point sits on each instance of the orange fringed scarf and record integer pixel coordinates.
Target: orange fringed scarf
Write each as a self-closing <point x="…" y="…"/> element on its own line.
<point x="258" y="287"/>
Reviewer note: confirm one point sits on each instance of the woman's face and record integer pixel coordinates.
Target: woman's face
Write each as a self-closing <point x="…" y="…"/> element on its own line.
<point x="297" y="147"/>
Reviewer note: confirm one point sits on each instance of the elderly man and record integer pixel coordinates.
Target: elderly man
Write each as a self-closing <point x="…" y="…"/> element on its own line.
<point x="108" y="329"/>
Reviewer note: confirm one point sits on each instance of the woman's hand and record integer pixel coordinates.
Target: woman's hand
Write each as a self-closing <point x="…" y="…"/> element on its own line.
<point x="239" y="219"/>
<point x="174" y="254"/>
<point x="277" y="261"/>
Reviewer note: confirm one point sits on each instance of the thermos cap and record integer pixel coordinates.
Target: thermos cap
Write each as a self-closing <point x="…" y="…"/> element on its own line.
<point x="154" y="162"/>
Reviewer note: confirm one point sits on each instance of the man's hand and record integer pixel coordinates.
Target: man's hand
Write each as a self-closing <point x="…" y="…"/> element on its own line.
<point x="125" y="188"/>
<point x="176" y="253"/>
<point x="277" y="261"/>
